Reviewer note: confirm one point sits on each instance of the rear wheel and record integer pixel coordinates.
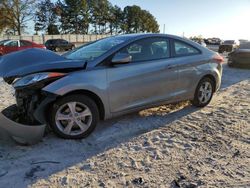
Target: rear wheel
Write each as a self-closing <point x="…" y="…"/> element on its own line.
<point x="74" y="116"/>
<point x="204" y="92"/>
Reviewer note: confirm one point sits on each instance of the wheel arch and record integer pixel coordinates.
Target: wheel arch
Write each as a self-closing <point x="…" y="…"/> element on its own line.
<point x="212" y="77"/>
<point x="93" y="96"/>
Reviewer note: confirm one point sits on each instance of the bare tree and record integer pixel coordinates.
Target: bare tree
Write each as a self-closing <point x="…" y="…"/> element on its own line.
<point x="17" y="13"/>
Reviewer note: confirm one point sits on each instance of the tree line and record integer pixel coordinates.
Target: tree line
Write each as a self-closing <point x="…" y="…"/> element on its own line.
<point x="74" y="17"/>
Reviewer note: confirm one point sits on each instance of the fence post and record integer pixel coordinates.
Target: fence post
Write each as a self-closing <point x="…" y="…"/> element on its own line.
<point x="43" y="38"/>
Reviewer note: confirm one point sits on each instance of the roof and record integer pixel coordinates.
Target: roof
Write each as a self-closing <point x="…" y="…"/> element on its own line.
<point x="142" y="35"/>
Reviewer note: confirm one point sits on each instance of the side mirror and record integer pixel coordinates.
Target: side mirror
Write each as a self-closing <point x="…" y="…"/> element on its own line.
<point x="121" y="58"/>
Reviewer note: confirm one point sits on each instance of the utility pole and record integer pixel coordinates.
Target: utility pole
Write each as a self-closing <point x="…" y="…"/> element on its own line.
<point x="164" y="29"/>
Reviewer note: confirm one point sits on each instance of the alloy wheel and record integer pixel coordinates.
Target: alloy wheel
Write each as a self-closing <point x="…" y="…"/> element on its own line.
<point x="73" y="118"/>
<point x="205" y="92"/>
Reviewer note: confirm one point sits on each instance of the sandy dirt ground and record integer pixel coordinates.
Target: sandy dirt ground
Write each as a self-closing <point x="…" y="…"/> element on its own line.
<point x="168" y="146"/>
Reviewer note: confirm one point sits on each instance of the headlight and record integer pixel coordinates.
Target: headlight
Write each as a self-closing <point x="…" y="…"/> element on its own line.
<point x="34" y="78"/>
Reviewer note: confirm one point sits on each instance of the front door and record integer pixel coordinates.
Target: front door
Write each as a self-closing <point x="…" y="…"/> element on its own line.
<point x="149" y="78"/>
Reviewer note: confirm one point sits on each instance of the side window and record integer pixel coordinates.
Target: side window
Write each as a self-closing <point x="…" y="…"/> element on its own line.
<point x="63" y="42"/>
<point x="25" y="43"/>
<point x="134" y="49"/>
<point x="183" y="49"/>
<point x="12" y="44"/>
<point x="148" y="49"/>
<point x="56" y="41"/>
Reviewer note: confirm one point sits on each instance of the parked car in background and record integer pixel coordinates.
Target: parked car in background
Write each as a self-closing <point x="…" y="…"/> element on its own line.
<point x="8" y="46"/>
<point x="212" y="41"/>
<point x="108" y="78"/>
<point x="200" y="41"/>
<point x="242" y="41"/>
<point x="228" y="46"/>
<point x="59" y="45"/>
<point x="240" y="57"/>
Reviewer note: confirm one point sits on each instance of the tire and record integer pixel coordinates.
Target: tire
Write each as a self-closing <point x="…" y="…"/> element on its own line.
<point x="57" y="49"/>
<point x="78" y="126"/>
<point x="200" y="101"/>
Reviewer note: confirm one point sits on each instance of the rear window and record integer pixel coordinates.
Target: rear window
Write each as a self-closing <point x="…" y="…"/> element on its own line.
<point x="25" y="43"/>
<point x="64" y="42"/>
<point x="184" y="49"/>
<point x="51" y="41"/>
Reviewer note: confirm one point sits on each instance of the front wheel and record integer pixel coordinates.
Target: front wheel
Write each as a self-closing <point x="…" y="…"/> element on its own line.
<point x="204" y="92"/>
<point x="74" y="116"/>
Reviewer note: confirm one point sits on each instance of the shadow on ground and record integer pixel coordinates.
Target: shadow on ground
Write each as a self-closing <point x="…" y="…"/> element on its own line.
<point x="54" y="154"/>
<point x="28" y="164"/>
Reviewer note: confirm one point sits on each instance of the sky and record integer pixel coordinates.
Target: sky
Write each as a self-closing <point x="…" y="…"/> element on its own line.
<point x="226" y="19"/>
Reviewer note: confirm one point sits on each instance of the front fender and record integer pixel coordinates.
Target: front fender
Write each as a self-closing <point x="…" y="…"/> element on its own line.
<point x="94" y="81"/>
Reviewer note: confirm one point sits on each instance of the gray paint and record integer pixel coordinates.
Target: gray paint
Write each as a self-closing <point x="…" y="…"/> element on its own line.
<point x="24" y="134"/>
<point x="122" y="88"/>
<point x="128" y="87"/>
<point x="25" y="62"/>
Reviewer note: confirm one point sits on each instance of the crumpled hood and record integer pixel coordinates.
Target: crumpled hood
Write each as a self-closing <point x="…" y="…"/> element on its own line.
<point x="34" y="60"/>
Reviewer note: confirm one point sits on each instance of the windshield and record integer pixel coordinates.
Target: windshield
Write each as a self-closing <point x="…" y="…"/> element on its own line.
<point x="93" y="50"/>
<point x="3" y="41"/>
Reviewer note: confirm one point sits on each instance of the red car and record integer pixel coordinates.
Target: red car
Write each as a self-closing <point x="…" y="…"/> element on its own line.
<point x="8" y="46"/>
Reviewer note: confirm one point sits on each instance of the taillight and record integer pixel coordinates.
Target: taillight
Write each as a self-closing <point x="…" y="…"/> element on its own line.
<point x="218" y="58"/>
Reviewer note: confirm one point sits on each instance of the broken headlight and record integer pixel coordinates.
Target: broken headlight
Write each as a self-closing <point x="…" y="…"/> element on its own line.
<point x="34" y="78"/>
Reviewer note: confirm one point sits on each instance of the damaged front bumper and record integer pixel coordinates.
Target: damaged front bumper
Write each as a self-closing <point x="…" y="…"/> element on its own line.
<point x="23" y="134"/>
<point x="27" y="134"/>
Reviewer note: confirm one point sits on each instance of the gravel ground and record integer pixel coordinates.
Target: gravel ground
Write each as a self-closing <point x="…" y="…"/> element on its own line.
<point x="167" y="146"/>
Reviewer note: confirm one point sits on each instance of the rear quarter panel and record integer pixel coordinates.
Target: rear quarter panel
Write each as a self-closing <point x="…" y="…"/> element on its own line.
<point x="192" y="69"/>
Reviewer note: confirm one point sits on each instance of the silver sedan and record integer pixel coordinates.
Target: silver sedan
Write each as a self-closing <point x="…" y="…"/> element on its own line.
<point x="108" y="78"/>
